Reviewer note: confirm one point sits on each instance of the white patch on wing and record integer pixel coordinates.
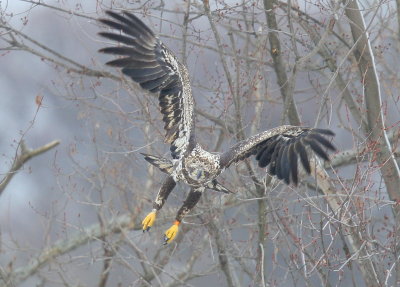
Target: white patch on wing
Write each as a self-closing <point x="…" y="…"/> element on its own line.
<point x="185" y="103"/>
<point x="158" y="200"/>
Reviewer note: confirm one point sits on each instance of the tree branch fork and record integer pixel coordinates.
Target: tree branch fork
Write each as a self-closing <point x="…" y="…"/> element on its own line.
<point x="23" y="155"/>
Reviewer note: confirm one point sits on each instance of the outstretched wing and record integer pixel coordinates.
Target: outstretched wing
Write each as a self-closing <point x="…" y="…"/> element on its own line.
<point x="280" y="148"/>
<point x="146" y="60"/>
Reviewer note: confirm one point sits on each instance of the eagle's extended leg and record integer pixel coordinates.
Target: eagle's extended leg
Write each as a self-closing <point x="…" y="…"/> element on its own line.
<point x="190" y="202"/>
<point x="162" y="195"/>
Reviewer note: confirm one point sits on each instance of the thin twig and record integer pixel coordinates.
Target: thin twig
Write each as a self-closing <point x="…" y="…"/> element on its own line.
<point x="25" y="155"/>
<point x="91" y="233"/>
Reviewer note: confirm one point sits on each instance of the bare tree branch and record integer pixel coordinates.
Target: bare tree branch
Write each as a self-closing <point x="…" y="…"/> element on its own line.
<point x="341" y="84"/>
<point x="290" y="108"/>
<point x="223" y="257"/>
<point x="91" y="233"/>
<point x="238" y="118"/>
<point x="377" y="135"/>
<point x="24" y="155"/>
<point x="356" y="155"/>
<point x="328" y="231"/>
<point x="358" y="247"/>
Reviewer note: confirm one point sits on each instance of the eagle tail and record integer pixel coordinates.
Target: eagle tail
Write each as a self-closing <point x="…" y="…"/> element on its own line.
<point x="215" y="185"/>
<point x="165" y="165"/>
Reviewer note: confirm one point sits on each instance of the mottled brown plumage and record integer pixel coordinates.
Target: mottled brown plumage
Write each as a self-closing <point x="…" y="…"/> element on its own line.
<point x="146" y="60"/>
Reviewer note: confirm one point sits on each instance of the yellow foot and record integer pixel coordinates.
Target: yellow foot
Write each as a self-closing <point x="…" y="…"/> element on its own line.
<point x="148" y="221"/>
<point x="171" y="233"/>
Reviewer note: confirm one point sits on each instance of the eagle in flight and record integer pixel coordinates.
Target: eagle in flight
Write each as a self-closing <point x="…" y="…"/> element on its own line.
<point x="148" y="62"/>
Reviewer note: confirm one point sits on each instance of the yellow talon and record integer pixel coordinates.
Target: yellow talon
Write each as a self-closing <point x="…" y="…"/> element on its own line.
<point x="171" y="233"/>
<point x="148" y="221"/>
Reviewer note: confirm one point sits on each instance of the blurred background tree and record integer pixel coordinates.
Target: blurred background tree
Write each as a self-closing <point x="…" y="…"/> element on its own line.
<point x="70" y="216"/>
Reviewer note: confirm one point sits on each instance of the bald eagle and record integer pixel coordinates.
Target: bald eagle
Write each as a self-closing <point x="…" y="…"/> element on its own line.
<point x="148" y="62"/>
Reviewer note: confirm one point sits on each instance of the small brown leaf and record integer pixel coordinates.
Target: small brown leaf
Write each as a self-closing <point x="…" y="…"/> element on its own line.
<point x="110" y="132"/>
<point x="38" y="100"/>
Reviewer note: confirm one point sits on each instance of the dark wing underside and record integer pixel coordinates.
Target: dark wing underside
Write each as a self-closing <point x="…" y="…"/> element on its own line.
<point x="280" y="148"/>
<point x="146" y="60"/>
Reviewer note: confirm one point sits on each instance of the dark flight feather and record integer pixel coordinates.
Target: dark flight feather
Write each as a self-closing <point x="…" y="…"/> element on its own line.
<point x="280" y="148"/>
<point x="148" y="62"/>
